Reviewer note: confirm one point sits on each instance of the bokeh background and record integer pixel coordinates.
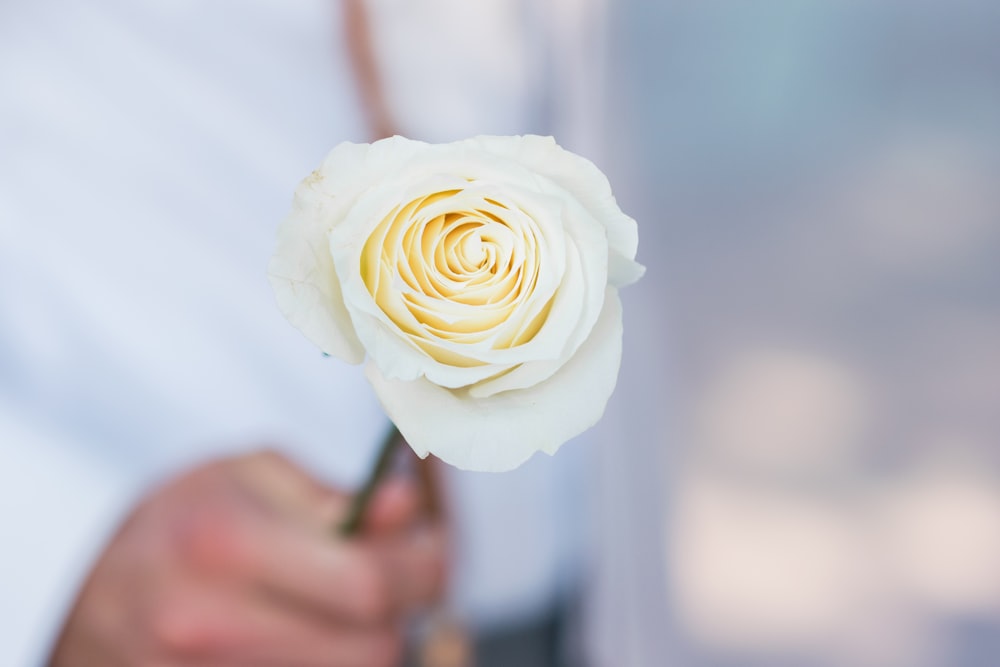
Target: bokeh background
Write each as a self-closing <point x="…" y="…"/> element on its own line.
<point x="801" y="467"/>
<point x="818" y="189"/>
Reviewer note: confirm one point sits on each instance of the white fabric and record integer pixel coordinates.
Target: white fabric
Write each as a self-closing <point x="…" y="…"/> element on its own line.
<point x="148" y="151"/>
<point x="58" y="507"/>
<point x="454" y="69"/>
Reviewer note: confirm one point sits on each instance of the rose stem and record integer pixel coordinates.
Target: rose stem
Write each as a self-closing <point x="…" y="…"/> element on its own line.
<point x="361" y="499"/>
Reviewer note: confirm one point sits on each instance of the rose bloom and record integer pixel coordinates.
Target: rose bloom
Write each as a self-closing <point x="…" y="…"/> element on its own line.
<point x="478" y="278"/>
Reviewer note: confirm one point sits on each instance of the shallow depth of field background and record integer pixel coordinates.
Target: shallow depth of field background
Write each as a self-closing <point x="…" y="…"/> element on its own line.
<point x="801" y="466"/>
<point x="818" y="189"/>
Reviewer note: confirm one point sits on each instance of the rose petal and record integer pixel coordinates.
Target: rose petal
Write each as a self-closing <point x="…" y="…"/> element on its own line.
<point x="622" y="271"/>
<point x="306" y="287"/>
<point x="488" y="309"/>
<point x="585" y="280"/>
<point x="588" y="184"/>
<point x="405" y="360"/>
<point x="301" y="271"/>
<point x="350" y="168"/>
<point x="501" y="432"/>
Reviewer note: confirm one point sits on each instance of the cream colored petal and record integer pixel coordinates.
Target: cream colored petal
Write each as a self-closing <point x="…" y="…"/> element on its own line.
<point x="623" y="271"/>
<point x="568" y="326"/>
<point x="502" y="432"/>
<point x="581" y="178"/>
<point x="354" y="167"/>
<point x="563" y="323"/>
<point x="340" y="168"/>
<point x="575" y="311"/>
<point x="302" y="271"/>
<point x="306" y="286"/>
<point x="398" y="357"/>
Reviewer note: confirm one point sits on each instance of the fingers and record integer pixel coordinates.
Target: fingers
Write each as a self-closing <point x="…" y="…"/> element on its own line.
<point x="213" y="570"/>
<point x="395" y="506"/>
<point x="336" y="577"/>
<point x="361" y="581"/>
<point x="226" y="626"/>
<point x="230" y="537"/>
<point x="395" y="566"/>
<point x="413" y="552"/>
<point x="286" y="487"/>
<point x="364" y="582"/>
<point x="415" y="565"/>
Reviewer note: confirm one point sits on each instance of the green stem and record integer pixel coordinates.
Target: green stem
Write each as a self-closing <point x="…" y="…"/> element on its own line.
<point x="359" y="503"/>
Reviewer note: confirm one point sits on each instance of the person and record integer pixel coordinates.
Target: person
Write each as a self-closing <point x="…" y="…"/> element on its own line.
<point x="149" y="151"/>
<point x="144" y="369"/>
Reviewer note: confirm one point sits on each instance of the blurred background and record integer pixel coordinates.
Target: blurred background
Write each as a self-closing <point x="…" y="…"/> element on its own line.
<point x="816" y="347"/>
<point x="801" y="467"/>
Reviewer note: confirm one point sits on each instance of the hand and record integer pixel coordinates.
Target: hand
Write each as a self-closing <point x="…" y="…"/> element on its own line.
<point x="237" y="564"/>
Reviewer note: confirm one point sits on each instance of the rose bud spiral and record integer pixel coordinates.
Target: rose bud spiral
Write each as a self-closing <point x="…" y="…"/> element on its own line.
<point x="479" y="281"/>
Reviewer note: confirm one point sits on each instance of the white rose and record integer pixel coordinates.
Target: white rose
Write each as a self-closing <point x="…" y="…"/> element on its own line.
<point x="478" y="278"/>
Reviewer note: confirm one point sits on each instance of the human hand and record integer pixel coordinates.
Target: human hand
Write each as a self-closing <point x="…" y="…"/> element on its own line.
<point x="236" y="564"/>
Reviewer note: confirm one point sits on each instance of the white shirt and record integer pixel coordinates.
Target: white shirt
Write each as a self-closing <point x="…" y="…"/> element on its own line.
<point x="148" y="151"/>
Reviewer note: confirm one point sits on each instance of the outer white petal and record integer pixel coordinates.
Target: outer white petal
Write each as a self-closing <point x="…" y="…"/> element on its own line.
<point x="623" y="271"/>
<point x="306" y="287"/>
<point x="581" y="178"/>
<point x="587" y="278"/>
<point x="384" y="342"/>
<point x="501" y="432"/>
<point x="302" y="270"/>
<point x="350" y="168"/>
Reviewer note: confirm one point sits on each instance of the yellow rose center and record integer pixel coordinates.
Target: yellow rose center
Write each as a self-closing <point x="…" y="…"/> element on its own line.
<point x="456" y="268"/>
